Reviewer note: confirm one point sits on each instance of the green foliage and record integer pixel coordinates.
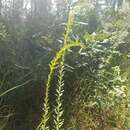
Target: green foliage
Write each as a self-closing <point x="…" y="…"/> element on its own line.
<point x="93" y="94"/>
<point x="3" y="33"/>
<point x="101" y="92"/>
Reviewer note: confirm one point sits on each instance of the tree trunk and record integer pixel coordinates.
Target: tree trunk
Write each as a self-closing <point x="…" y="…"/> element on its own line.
<point x="0" y="7"/>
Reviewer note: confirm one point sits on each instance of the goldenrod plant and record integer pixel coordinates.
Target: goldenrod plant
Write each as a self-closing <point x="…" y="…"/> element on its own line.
<point x="52" y="65"/>
<point x="58" y="121"/>
<point x="58" y="115"/>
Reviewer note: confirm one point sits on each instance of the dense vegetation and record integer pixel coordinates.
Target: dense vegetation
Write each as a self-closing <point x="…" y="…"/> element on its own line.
<point x="64" y="64"/>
